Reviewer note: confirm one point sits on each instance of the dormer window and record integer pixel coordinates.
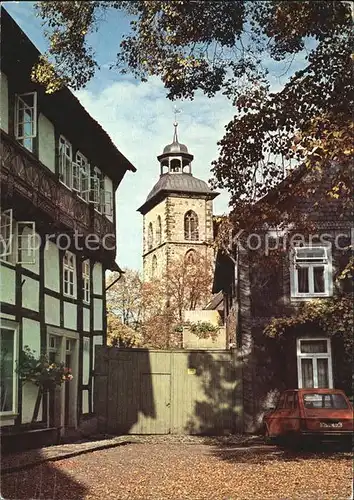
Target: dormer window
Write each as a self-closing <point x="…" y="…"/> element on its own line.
<point x="26" y="119"/>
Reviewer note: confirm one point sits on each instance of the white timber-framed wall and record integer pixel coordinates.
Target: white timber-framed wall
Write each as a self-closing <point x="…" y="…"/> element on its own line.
<point x="34" y="305"/>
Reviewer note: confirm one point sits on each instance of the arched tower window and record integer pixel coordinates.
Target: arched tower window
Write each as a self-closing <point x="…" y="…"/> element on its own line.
<point x="154" y="267"/>
<point x="158" y="231"/>
<point x="150" y="237"/>
<point x="191" y="226"/>
<point x="190" y="257"/>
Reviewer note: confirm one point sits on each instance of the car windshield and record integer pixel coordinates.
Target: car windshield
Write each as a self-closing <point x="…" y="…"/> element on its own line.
<point x="317" y="400"/>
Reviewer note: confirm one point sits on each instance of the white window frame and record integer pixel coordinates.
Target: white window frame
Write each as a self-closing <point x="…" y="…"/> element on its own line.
<point x="6" y="221"/>
<point x="96" y="184"/>
<point x="82" y="176"/>
<point x="311" y="264"/>
<point x="65" y="159"/>
<point x="21" y="138"/>
<point x="106" y="202"/>
<point x="28" y="248"/>
<point x="18" y="245"/>
<point x="86" y="280"/>
<point x="314" y="356"/>
<point x="71" y="272"/>
<point x="9" y="325"/>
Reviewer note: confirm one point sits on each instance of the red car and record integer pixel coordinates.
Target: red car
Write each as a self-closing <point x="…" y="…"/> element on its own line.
<point x="310" y="413"/>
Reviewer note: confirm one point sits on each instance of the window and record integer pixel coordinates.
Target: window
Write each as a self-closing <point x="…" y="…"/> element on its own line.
<point x="6" y="235"/>
<point x="316" y="400"/>
<point x="69" y="273"/>
<point x="101" y="198"/>
<point x="8" y="377"/>
<point x="86" y="280"/>
<point x="290" y="401"/>
<point x="96" y="185"/>
<point x="81" y="176"/>
<point x="54" y="348"/>
<point x="65" y="162"/>
<point x="17" y="239"/>
<point x="314" y="362"/>
<point x="190" y="257"/>
<point x="281" y="401"/>
<point x="26" y="242"/>
<point x="154" y="266"/>
<point x="150" y="237"/>
<point x="311" y="272"/>
<point x="26" y="119"/>
<point x="191" y="231"/>
<point x="158" y="231"/>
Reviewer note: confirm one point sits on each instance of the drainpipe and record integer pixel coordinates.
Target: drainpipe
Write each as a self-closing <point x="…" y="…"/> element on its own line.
<point x="119" y="270"/>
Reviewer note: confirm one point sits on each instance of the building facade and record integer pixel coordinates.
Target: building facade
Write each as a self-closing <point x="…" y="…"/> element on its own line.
<point x="59" y="174"/>
<point x="305" y="355"/>
<point x="177" y="214"/>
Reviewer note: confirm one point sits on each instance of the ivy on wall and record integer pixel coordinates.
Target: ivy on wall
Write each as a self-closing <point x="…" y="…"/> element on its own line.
<point x="334" y="316"/>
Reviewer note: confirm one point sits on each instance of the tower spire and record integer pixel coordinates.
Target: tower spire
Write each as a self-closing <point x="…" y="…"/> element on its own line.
<point x="175" y="124"/>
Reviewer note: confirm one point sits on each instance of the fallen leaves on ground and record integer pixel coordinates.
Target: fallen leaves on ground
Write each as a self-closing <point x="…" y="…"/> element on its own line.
<point x="163" y="470"/>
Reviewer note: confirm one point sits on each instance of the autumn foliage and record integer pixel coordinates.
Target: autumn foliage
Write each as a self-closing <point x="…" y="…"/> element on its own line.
<point x="150" y="313"/>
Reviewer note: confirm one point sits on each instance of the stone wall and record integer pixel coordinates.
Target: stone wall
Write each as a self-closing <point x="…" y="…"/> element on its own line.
<point x="173" y="244"/>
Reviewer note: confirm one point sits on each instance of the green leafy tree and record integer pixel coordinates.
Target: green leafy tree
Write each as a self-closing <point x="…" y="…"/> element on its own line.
<point x="220" y="46"/>
<point x="124" y="297"/>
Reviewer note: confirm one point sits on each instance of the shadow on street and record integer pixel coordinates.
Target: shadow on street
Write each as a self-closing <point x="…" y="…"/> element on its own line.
<point x="46" y="480"/>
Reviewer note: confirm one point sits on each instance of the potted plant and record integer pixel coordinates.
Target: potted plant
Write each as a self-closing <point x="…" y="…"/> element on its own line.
<point x="41" y="372"/>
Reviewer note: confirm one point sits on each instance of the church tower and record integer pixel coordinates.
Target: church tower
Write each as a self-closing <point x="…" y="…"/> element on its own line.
<point x="177" y="214"/>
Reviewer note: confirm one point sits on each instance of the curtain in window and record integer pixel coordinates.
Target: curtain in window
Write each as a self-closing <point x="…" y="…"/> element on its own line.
<point x="318" y="279"/>
<point x="322" y="372"/>
<point x="313" y="346"/>
<point x="307" y="373"/>
<point x="303" y="279"/>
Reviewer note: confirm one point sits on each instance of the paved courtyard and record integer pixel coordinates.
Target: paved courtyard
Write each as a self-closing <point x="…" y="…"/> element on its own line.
<point x="168" y="470"/>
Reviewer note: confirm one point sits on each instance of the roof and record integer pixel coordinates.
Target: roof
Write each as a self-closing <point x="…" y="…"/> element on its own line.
<point x="176" y="183"/>
<point x="216" y="303"/>
<point x="175" y="147"/>
<point x="18" y="55"/>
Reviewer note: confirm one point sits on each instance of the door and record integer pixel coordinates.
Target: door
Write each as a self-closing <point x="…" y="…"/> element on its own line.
<point x="158" y="421"/>
<point x="290" y="421"/>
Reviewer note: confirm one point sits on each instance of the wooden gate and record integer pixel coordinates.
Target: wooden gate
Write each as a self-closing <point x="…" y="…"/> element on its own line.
<point x="144" y="391"/>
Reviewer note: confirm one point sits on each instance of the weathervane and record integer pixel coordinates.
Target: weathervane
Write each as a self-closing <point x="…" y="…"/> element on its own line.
<point x="176" y="111"/>
<point x="175" y="124"/>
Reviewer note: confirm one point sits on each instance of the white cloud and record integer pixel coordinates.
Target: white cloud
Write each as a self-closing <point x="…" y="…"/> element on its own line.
<point x="139" y="119"/>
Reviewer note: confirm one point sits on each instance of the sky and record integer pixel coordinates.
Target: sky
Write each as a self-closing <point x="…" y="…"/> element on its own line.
<point x="139" y="119"/>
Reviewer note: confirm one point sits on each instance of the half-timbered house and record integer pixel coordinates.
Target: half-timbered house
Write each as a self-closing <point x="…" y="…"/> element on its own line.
<point x="59" y="174"/>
